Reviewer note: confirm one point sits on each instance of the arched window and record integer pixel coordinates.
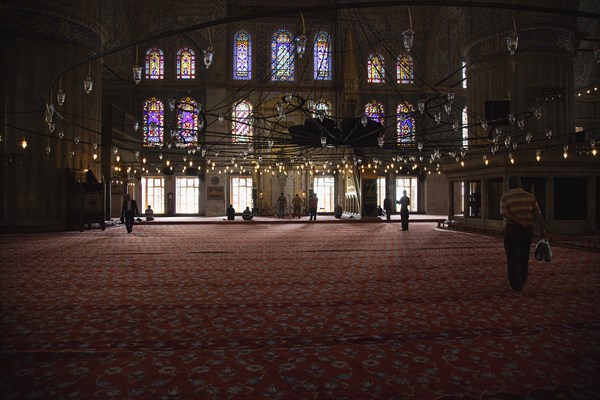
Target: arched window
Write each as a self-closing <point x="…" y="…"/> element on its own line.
<point x="241" y="127"/>
<point x="322" y="57"/>
<point x="187" y="122"/>
<point x="155" y="63"/>
<point x="374" y="110"/>
<point x="282" y="56"/>
<point x="406" y="123"/>
<point x="186" y="64"/>
<point x="375" y="68"/>
<point x="317" y="106"/>
<point x="154" y="116"/>
<point x="242" y="56"/>
<point x="405" y="69"/>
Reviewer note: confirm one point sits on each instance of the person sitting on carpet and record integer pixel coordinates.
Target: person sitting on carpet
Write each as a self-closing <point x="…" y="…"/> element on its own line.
<point x="149" y="213"/>
<point x="247" y="214"/>
<point x="230" y="212"/>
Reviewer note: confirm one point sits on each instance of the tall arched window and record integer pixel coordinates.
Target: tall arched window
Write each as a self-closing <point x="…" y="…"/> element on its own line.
<point x="322" y="105"/>
<point x="282" y="56"/>
<point x="406" y="123"/>
<point x="186" y="64"/>
<point x="154" y="117"/>
<point x="375" y="68"/>
<point x="374" y="110"/>
<point x="242" y="56"/>
<point x="405" y="69"/>
<point x="322" y="57"/>
<point x="155" y="63"/>
<point x="241" y="127"/>
<point x="187" y="122"/>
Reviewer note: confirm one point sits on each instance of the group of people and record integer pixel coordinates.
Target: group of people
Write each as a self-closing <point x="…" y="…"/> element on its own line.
<point x="518" y="208"/>
<point x="404" y="205"/>
<point x="297" y="203"/>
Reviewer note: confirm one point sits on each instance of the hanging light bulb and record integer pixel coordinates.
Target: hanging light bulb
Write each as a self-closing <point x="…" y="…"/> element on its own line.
<point x="521" y="123"/>
<point x="528" y="137"/>
<point x="364" y="120"/>
<point x="203" y="151"/>
<point x="565" y="151"/>
<point x="24" y="142"/>
<point x="549" y="133"/>
<point x="88" y="82"/>
<point x="60" y="95"/>
<point x="511" y="118"/>
<point x="136" y="125"/>
<point x="538" y="112"/>
<point x="172" y="104"/>
<point x="270" y="143"/>
<point x="512" y="41"/>
<point x="455" y="125"/>
<point x="380" y="141"/>
<point x="485" y="159"/>
<point x="323" y="141"/>
<point x="438" y="117"/>
<point x="420" y="146"/>
<point x="450" y="96"/>
<point x="448" y="108"/>
<point x="160" y="156"/>
<point x="421" y="106"/>
<point x="61" y="134"/>
<point x="484" y="125"/>
<point x="321" y="115"/>
<point x="221" y="118"/>
<point x="408" y="35"/>
<point x="95" y="156"/>
<point x="538" y="155"/>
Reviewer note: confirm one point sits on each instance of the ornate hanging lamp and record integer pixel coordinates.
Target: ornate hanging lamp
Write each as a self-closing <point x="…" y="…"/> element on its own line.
<point x="137" y="70"/>
<point x="208" y="53"/>
<point x="60" y="95"/>
<point x="512" y="41"/>
<point x="301" y="39"/>
<point x="88" y="82"/>
<point x="408" y="35"/>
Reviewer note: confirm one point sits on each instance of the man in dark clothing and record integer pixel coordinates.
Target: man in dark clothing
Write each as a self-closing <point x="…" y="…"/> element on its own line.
<point x="129" y="212"/>
<point x="404" y="204"/>
<point x="387" y="206"/>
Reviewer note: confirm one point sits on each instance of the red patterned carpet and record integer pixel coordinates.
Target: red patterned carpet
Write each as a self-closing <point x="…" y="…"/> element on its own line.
<point x="292" y="311"/>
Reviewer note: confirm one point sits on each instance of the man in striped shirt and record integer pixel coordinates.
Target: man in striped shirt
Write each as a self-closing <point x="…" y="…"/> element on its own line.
<point x="519" y="209"/>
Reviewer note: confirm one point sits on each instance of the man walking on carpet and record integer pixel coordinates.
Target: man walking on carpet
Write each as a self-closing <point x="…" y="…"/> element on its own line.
<point x="519" y="209"/>
<point x="129" y="212"/>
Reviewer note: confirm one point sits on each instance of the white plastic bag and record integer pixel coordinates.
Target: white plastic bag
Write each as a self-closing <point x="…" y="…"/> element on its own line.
<point x="543" y="251"/>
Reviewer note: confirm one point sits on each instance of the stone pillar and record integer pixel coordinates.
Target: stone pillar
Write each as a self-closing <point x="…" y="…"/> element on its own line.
<point x="39" y="42"/>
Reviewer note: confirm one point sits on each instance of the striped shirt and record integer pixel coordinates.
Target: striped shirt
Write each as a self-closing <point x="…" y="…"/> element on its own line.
<point x="520" y="206"/>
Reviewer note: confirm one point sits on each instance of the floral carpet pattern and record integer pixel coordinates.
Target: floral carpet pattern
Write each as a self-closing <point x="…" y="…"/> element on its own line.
<point x="292" y="311"/>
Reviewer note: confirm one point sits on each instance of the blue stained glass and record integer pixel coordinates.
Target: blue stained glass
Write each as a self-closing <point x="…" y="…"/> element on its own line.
<point x="187" y="122"/>
<point x="322" y="56"/>
<point x="153" y="122"/>
<point x="242" y="56"/>
<point x="282" y="56"/>
<point x="406" y="123"/>
<point x="374" y="110"/>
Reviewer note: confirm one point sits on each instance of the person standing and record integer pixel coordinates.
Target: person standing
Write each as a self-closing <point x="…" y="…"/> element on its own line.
<point x="230" y="213"/>
<point x="297" y="203"/>
<point x="404" y="204"/>
<point x="129" y="212"/>
<point x="281" y="204"/>
<point x="519" y="209"/>
<point x="312" y="207"/>
<point x="387" y="206"/>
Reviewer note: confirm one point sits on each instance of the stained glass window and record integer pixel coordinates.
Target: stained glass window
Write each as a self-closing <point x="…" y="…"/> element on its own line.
<point x="241" y="127"/>
<point x="187" y="122"/>
<point x="155" y="63"/>
<point x="282" y="56"/>
<point x="375" y="68"/>
<point x="405" y="69"/>
<point x="154" y="117"/>
<point x="322" y="105"/>
<point x="406" y="123"/>
<point x="374" y="110"/>
<point x="186" y="64"/>
<point x="242" y="56"/>
<point x="322" y="57"/>
<point x="465" y="128"/>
